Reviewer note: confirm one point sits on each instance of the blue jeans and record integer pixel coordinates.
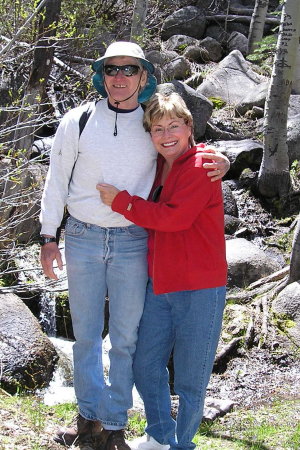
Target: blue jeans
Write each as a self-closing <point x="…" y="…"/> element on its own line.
<point x="189" y="323"/>
<point x="100" y="261"/>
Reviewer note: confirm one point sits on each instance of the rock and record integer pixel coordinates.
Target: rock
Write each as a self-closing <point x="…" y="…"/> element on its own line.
<point x="238" y="41"/>
<point x="215" y="407"/>
<point x="294" y="106"/>
<point x="230" y="206"/>
<point x="42" y="146"/>
<point x="27" y="356"/>
<point x="159" y="59"/>
<point x="287" y="304"/>
<point x="189" y="20"/>
<point x="293" y="137"/>
<point x="255" y="113"/>
<point x="238" y="27"/>
<point x="200" y="106"/>
<point x="196" y="54"/>
<point x="213" y="47"/>
<point x="231" y="224"/>
<point x="247" y="263"/>
<point x="253" y="98"/>
<point x="231" y="79"/>
<point x="162" y="57"/>
<point x="179" y="42"/>
<point x="178" y="69"/>
<point x="218" y="33"/>
<point x="242" y="154"/>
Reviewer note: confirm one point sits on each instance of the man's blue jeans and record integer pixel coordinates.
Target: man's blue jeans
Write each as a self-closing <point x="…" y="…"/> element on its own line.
<point x="189" y="323"/>
<point x="100" y="261"/>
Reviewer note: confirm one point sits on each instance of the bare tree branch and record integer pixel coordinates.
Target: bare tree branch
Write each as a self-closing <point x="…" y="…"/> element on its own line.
<point x="23" y="27"/>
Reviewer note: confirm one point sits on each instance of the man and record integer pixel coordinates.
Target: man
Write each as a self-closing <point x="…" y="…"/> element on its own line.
<point x="105" y="253"/>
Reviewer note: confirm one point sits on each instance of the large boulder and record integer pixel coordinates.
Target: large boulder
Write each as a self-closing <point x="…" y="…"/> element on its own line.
<point x="247" y="263"/>
<point x="196" y="54"/>
<point x="293" y="137"/>
<point x="294" y="105"/>
<point x="213" y="47"/>
<point x="231" y="80"/>
<point x="27" y="356"/>
<point x="179" y="69"/>
<point x="179" y="42"/>
<point x="242" y="154"/>
<point x="230" y="206"/>
<point x="287" y="306"/>
<point x="189" y="20"/>
<point x="237" y="41"/>
<point x="161" y="57"/>
<point x="218" y="33"/>
<point x="255" y="98"/>
<point x="200" y="107"/>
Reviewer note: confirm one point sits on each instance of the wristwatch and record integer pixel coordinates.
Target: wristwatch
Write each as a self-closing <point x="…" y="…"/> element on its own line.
<point x="45" y="240"/>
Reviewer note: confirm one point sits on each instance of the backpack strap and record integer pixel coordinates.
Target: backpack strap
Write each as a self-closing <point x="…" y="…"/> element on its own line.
<point x="82" y="123"/>
<point x="85" y="117"/>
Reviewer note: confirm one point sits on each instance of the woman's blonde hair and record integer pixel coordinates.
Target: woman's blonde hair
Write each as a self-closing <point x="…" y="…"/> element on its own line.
<point x="171" y="105"/>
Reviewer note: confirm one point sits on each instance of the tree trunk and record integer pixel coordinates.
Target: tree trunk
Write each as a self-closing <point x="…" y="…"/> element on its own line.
<point x="295" y="256"/>
<point x="257" y="24"/>
<point x="138" y="21"/>
<point x="35" y="94"/>
<point x="274" y="177"/>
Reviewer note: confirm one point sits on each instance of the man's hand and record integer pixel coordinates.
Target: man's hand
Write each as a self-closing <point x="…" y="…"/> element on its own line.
<point x="49" y="253"/>
<point x="107" y="193"/>
<point x="219" y="166"/>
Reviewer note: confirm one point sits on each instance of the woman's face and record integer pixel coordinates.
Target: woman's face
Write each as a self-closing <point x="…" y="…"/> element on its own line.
<point x="119" y="86"/>
<point x="170" y="136"/>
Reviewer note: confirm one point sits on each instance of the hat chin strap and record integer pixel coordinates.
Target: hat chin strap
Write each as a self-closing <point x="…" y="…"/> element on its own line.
<point x="117" y="102"/>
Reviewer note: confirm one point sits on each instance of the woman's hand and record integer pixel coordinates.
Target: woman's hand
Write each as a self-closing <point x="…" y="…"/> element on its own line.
<point x="219" y="166"/>
<point x="108" y="193"/>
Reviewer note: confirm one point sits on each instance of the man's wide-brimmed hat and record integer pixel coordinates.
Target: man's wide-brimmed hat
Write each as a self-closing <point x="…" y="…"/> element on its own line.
<point x="125" y="49"/>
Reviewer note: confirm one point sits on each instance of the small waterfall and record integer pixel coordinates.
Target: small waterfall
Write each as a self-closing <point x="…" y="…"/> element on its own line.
<point x="47" y="317"/>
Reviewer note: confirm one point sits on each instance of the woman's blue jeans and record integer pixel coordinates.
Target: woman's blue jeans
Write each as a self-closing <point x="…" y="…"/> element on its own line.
<point x="100" y="261"/>
<point x="189" y="323"/>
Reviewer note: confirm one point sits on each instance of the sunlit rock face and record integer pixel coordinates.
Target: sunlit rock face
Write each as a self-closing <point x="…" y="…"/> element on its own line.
<point x="27" y="356"/>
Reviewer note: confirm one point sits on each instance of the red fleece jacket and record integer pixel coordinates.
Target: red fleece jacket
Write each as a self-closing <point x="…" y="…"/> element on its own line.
<point x="188" y="248"/>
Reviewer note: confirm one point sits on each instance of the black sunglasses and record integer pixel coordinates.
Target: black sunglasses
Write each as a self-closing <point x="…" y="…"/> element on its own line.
<point x="128" y="70"/>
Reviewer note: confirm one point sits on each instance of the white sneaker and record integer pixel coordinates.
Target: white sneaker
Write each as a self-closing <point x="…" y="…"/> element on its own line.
<point x="147" y="443"/>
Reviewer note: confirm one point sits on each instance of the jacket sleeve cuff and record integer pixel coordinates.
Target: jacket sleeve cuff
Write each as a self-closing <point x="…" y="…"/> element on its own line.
<point x="122" y="203"/>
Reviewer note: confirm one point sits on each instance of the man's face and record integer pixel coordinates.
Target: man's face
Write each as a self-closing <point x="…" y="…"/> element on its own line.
<point x="119" y="86"/>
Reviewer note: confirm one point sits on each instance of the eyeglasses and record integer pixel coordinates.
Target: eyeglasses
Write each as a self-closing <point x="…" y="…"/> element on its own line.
<point x="128" y="70"/>
<point x="171" y="129"/>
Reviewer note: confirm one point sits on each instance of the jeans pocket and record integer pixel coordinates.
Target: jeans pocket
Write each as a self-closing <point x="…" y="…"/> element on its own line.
<point x="137" y="232"/>
<point x="74" y="227"/>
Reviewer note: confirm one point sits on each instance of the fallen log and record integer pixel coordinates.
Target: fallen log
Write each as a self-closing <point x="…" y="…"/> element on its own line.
<point x="225" y="354"/>
<point x="242" y="19"/>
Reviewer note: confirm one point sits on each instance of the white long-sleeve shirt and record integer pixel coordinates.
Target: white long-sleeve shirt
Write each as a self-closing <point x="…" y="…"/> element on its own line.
<point x="128" y="161"/>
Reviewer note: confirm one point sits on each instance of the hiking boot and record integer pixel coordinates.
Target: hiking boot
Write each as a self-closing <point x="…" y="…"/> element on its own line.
<point x="89" y="434"/>
<point x="113" y="440"/>
<point x="69" y="436"/>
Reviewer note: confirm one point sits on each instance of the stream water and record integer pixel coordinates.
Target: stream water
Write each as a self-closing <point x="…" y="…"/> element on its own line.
<point x="61" y="389"/>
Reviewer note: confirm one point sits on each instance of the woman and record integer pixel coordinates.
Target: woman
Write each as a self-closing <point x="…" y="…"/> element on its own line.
<point x="187" y="275"/>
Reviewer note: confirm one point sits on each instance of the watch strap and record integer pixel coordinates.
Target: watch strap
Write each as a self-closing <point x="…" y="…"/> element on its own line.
<point x="45" y="240"/>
